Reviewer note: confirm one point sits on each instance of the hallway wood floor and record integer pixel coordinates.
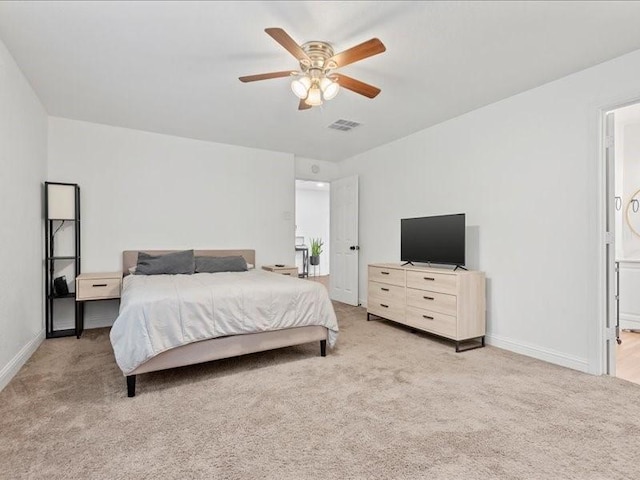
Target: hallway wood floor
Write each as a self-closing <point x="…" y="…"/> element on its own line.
<point x="323" y="279"/>
<point x="628" y="357"/>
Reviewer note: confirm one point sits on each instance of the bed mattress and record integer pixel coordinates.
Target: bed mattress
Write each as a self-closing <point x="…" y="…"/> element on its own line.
<point x="161" y="312"/>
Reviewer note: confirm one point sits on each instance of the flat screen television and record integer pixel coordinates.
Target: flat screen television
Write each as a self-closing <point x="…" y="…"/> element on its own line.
<point x="439" y="239"/>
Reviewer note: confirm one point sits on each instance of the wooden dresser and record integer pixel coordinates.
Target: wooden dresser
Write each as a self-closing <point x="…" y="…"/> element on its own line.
<point x="439" y="301"/>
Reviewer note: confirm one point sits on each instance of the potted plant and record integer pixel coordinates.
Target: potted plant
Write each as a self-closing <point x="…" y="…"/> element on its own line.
<point x="316" y="250"/>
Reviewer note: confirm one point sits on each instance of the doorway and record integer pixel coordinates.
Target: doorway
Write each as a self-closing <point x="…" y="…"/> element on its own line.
<point x="313" y="223"/>
<point x="623" y="155"/>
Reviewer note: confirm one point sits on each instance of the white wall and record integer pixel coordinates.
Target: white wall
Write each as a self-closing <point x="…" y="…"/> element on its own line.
<point x="526" y="172"/>
<point x="23" y="156"/>
<point x="326" y="171"/>
<point x="142" y="190"/>
<point x="312" y="221"/>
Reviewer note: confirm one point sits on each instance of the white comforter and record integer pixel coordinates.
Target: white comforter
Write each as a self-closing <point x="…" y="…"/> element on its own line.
<point x="160" y="312"/>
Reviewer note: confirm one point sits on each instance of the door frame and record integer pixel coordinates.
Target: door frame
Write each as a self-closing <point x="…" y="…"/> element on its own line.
<point x="348" y="299"/>
<point x="330" y="180"/>
<point x="605" y="294"/>
<point x="307" y="179"/>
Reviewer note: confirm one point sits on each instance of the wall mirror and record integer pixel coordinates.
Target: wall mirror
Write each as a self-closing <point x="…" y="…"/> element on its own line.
<point x="633" y="213"/>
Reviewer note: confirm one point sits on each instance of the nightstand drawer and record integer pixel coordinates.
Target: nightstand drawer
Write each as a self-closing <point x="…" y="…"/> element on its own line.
<point x="293" y="272"/>
<point x="287" y="270"/>
<point x="98" y="288"/>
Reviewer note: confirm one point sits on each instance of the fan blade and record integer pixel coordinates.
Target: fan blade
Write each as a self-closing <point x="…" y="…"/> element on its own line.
<point x="265" y="76"/>
<point x="283" y="38"/>
<point x="303" y="105"/>
<point x="359" y="52"/>
<point x="356" y="85"/>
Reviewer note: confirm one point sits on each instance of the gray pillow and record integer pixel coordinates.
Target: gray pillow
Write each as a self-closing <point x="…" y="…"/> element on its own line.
<point x="171" y="263"/>
<point x="220" y="264"/>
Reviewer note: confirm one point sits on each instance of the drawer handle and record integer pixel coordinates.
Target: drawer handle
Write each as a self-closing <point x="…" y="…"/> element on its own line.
<point x="429" y="278"/>
<point x="384" y="289"/>
<point x="428" y="298"/>
<point x="427" y="317"/>
<point x="99" y="285"/>
<point x="384" y="273"/>
<point x="383" y="305"/>
<point x="286" y="274"/>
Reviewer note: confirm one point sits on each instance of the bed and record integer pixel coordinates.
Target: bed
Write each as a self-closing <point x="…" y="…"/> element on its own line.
<point x="167" y="321"/>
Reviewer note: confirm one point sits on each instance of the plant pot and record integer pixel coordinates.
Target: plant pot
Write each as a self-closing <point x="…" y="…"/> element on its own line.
<point x="314" y="260"/>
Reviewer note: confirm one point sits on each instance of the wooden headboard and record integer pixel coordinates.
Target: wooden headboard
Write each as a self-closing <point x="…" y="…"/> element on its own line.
<point x="130" y="257"/>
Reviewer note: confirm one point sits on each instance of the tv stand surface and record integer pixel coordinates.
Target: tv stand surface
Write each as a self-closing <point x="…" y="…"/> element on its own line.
<point x="444" y="302"/>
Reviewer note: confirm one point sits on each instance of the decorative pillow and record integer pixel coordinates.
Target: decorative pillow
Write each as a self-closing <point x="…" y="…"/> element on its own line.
<point x="220" y="264"/>
<point x="171" y="263"/>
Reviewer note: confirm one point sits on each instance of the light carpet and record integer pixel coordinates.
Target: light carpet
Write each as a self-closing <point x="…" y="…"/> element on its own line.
<point x="385" y="403"/>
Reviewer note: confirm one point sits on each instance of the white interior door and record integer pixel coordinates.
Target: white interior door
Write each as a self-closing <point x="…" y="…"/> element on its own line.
<point x="344" y="241"/>
<point x="611" y="273"/>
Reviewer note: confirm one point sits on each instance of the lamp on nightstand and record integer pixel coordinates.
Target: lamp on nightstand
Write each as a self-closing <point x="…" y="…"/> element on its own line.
<point x="61" y="201"/>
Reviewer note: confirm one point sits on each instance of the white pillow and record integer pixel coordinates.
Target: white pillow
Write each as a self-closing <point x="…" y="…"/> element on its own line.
<point x="250" y="266"/>
<point x="132" y="270"/>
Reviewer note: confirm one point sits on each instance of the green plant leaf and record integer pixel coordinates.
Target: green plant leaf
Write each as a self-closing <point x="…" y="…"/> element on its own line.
<point x="316" y="246"/>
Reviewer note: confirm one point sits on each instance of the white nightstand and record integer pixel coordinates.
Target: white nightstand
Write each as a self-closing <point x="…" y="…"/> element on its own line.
<point x="96" y="286"/>
<point x="282" y="270"/>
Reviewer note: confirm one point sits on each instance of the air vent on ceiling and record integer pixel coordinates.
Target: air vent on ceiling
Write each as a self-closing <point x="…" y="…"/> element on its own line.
<point x="344" y="125"/>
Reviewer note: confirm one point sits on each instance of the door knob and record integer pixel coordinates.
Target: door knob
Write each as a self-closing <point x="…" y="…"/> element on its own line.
<point x="354" y="247"/>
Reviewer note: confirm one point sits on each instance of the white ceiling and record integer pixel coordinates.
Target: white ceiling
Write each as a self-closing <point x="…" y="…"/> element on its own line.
<point x="173" y="67"/>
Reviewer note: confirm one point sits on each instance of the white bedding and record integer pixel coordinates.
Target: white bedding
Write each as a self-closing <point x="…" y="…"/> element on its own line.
<point x="160" y="312"/>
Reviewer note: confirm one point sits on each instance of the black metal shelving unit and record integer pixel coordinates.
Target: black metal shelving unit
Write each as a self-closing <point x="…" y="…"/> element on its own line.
<point x="51" y="264"/>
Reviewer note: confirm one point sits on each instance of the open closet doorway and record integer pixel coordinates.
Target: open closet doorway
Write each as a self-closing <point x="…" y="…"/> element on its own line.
<point x="313" y="216"/>
<point x="623" y="152"/>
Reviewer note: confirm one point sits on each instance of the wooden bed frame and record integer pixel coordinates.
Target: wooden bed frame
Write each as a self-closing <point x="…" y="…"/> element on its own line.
<point x="221" y="347"/>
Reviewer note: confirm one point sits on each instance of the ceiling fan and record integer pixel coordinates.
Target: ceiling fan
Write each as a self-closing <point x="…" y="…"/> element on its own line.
<point x="316" y="81"/>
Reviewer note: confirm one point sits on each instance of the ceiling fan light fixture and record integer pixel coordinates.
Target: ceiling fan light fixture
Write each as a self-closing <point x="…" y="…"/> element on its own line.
<point x="329" y="88"/>
<point x="316" y="81"/>
<point x="315" y="97"/>
<point x="300" y="86"/>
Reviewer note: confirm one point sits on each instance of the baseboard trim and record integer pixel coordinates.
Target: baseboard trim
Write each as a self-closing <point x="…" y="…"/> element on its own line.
<point x="15" y="364"/>
<point x="545" y="354"/>
<point x="629" y="321"/>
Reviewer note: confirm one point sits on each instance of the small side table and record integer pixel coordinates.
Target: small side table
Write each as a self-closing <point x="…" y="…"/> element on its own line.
<point x="93" y="287"/>
<point x="284" y="270"/>
<point x="305" y="260"/>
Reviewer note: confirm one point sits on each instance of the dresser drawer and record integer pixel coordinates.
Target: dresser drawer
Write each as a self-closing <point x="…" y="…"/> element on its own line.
<point x="386" y="308"/>
<point x="430" y="321"/>
<point x="438" y="302"/>
<point x="391" y="276"/>
<point x="386" y="292"/>
<point x="434" y="282"/>
<point x="98" y="288"/>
